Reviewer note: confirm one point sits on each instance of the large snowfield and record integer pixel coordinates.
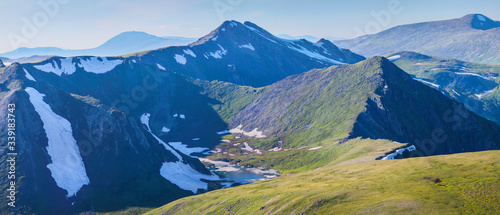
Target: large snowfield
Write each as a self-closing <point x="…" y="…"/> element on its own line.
<point x="67" y="167"/>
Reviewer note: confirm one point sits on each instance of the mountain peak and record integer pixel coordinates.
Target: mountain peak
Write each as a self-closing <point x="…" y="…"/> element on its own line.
<point x="481" y="22"/>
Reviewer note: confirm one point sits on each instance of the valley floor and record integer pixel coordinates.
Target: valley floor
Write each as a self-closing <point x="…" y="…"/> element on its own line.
<point x="466" y="183"/>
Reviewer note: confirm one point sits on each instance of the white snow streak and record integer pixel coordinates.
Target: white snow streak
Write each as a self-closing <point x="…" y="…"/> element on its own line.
<point x="161" y="67"/>
<point x="189" y="52"/>
<point x="248" y="46"/>
<point x="28" y="75"/>
<point x="145" y="121"/>
<point x="67" y="167"/>
<point x="472" y="74"/>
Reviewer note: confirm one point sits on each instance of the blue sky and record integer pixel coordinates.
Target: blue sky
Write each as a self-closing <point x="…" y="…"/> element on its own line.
<point x="77" y="24"/>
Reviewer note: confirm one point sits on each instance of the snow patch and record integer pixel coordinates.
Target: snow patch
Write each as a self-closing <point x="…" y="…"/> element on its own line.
<point x="99" y="65"/>
<point x="180" y="59"/>
<point x="426" y="82"/>
<point x="218" y="54"/>
<point x="275" y="149"/>
<point x="215" y="38"/>
<point x="185" y="177"/>
<point x="185" y="150"/>
<point x="247" y="147"/>
<point x="248" y="46"/>
<point x="161" y="67"/>
<point x="399" y="152"/>
<point x="394" y="58"/>
<point x="28" y="76"/>
<point x="189" y="52"/>
<point x="165" y="130"/>
<point x="67" y="167"/>
<point x="253" y="133"/>
<point x="483" y="94"/>
<point x="67" y="67"/>
<point x="145" y="121"/>
<point x="182" y="116"/>
<point x="311" y="54"/>
<point x="223" y="132"/>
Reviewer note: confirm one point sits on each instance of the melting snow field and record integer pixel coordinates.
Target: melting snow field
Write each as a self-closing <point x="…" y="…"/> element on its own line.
<point x="67" y="67"/>
<point x="314" y="55"/>
<point x="99" y="65"/>
<point x="253" y="133"/>
<point x="399" y="152"/>
<point x="145" y="121"/>
<point x="185" y="150"/>
<point x="240" y="174"/>
<point x="67" y="167"/>
<point x="28" y="76"/>
<point x="185" y="177"/>
<point x="180" y="59"/>
<point x="179" y="173"/>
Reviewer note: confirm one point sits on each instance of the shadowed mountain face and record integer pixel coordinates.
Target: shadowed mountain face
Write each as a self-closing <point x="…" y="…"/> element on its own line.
<point x="245" y="54"/>
<point x="371" y="99"/>
<point x="474" y="85"/>
<point x="472" y="38"/>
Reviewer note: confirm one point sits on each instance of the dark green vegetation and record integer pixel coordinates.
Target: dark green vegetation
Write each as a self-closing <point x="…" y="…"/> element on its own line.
<point x="451" y="184"/>
<point x="456" y="80"/>
<point x="468" y="38"/>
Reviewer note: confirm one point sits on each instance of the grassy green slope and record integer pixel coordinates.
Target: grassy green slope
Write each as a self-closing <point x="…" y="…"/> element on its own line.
<point x="462" y="88"/>
<point x="452" y="184"/>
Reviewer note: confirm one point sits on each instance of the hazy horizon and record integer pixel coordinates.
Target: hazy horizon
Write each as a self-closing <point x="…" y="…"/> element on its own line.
<point x="79" y="25"/>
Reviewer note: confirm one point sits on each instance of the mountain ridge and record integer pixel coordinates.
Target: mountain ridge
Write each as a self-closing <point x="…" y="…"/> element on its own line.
<point x="469" y="38"/>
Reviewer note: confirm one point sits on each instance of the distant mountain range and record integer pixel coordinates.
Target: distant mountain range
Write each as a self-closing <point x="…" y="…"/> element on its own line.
<point x="124" y="43"/>
<point x="472" y="38"/>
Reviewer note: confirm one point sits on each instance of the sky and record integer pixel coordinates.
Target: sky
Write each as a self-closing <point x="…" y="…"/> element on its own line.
<point x="79" y="24"/>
